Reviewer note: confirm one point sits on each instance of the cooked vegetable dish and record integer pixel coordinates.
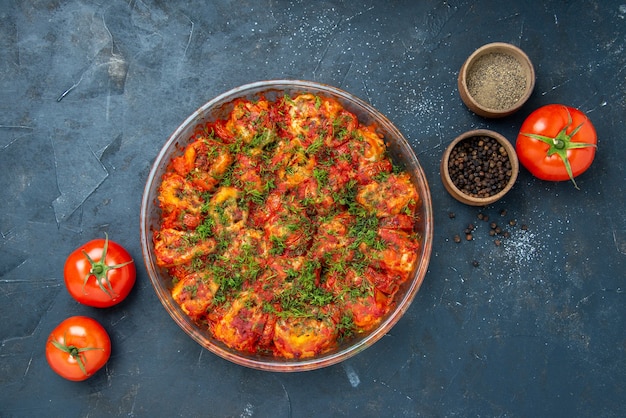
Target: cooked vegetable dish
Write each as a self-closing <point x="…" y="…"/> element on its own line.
<point x="285" y="226"/>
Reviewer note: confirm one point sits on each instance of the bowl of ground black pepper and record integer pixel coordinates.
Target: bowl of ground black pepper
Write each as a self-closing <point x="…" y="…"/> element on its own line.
<point x="479" y="167"/>
<point x="496" y="80"/>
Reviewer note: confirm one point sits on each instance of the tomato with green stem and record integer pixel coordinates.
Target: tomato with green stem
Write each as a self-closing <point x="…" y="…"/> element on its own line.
<point x="101" y="273"/>
<point x="78" y="347"/>
<point x="556" y="143"/>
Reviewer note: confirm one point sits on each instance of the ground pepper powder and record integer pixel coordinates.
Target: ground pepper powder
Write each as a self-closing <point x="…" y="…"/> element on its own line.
<point x="479" y="166"/>
<point x="496" y="81"/>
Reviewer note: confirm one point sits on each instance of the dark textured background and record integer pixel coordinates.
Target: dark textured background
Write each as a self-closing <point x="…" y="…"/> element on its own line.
<point x="90" y="91"/>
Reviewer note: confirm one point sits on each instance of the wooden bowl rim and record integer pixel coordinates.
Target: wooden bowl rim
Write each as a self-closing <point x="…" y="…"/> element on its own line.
<point x="494" y="47"/>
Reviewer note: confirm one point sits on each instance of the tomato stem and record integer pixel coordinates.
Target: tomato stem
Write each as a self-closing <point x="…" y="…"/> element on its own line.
<point x="100" y="270"/>
<point x="558" y="144"/>
<point x="75" y="352"/>
<point x="561" y="143"/>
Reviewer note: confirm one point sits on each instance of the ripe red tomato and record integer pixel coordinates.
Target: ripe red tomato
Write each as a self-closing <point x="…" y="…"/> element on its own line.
<point x="78" y="347"/>
<point x="556" y="143"/>
<point x="101" y="273"/>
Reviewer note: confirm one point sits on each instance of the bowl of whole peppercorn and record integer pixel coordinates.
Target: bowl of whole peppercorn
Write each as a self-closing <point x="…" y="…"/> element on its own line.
<point x="479" y="167"/>
<point x="496" y="80"/>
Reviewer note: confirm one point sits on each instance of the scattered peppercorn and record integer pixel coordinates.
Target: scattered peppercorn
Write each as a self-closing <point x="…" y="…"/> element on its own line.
<point x="451" y="215"/>
<point x="499" y="234"/>
<point x="479" y="166"/>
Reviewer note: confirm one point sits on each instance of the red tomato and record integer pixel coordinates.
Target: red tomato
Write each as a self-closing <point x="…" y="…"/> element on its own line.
<point x="78" y="347"/>
<point x="101" y="273"/>
<point x="556" y="143"/>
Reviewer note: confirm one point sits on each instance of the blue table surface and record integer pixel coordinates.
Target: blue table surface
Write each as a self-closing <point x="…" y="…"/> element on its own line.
<point x="91" y="91"/>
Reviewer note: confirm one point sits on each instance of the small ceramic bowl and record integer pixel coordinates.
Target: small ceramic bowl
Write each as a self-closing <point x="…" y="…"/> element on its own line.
<point x="489" y="188"/>
<point x="496" y="80"/>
